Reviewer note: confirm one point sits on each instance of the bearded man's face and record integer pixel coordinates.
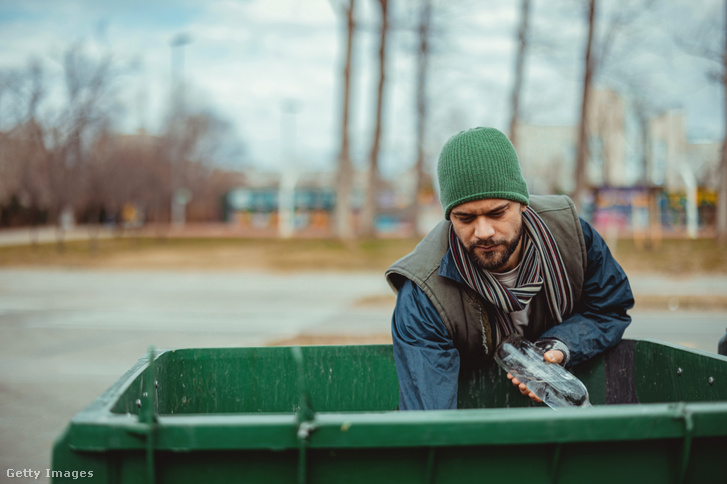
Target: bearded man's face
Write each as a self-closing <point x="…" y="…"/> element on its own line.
<point x="491" y="230"/>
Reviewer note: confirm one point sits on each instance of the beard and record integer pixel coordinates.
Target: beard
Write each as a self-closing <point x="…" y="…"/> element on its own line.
<point x="492" y="261"/>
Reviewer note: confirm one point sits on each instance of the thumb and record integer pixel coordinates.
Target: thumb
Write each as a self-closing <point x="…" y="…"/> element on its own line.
<point x="551" y="357"/>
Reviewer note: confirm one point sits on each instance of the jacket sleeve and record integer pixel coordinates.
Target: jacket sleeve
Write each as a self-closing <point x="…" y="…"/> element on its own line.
<point x="427" y="363"/>
<point x="600" y="317"/>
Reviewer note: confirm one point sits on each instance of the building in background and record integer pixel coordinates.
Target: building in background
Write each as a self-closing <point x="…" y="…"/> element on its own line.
<point x="644" y="177"/>
<point x="255" y="205"/>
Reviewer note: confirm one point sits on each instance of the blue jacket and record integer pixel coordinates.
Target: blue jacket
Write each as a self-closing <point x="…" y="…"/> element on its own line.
<point x="428" y="364"/>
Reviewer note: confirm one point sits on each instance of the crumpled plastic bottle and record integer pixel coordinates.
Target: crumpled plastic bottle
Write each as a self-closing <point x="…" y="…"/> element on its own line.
<point x="550" y="382"/>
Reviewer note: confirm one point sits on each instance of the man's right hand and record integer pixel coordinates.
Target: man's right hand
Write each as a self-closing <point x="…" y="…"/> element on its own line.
<point x="554" y="356"/>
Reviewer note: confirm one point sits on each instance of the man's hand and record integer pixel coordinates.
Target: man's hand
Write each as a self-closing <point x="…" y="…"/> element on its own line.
<point x="554" y="356"/>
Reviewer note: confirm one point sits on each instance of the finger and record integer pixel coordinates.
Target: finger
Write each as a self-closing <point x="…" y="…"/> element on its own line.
<point x="509" y="376"/>
<point x="534" y="397"/>
<point x="516" y="382"/>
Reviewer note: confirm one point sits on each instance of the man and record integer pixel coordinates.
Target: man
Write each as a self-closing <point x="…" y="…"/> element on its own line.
<point x="501" y="262"/>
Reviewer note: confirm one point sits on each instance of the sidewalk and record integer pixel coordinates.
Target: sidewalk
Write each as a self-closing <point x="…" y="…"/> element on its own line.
<point x="661" y="285"/>
<point x="50" y="234"/>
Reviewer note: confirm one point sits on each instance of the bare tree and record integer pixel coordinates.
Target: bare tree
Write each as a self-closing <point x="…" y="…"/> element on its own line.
<point x="519" y="68"/>
<point x="23" y="153"/>
<point x="603" y="36"/>
<point x="722" y="196"/>
<point x="707" y="39"/>
<point x="85" y="119"/>
<point x="425" y="18"/>
<point x="194" y="149"/>
<point x="588" y="70"/>
<point x="344" y="181"/>
<point x="66" y="155"/>
<point x="370" y="205"/>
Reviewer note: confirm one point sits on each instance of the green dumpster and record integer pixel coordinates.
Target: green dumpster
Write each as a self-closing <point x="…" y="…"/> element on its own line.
<point x="328" y="414"/>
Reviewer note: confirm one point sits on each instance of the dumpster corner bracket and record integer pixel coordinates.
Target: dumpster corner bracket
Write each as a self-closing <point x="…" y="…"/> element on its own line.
<point x="305" y="415"/>
<point x="148" y="416"/>
<point x="685" y="414"/>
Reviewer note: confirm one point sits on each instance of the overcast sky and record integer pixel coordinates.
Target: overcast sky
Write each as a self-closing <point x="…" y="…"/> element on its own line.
<point x="246" y="60"/>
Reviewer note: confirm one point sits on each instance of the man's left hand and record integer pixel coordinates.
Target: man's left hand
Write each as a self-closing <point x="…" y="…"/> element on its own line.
<point x="553" y="356"/>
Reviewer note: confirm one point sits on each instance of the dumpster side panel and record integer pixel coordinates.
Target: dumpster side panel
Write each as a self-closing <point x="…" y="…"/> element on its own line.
<point x="209" y="467"/>
<point x="67" y="463"/>
<point x="668" y="373"/>
<point x="351" y="378"/>
<point x="593" y="375"/>
<point x="253" y="380"/>
<point x="339" y="378"/>
<point x="489" y="387"/>
<point x="705" y="460"/>
<point x="623" y="462"/>
<point x="626" y="462"/>
<point x="226" y="380"/>
<point x="574" y="463"/>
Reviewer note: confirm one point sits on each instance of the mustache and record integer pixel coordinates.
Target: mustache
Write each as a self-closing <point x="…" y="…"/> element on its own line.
<point x="486" y="243"/>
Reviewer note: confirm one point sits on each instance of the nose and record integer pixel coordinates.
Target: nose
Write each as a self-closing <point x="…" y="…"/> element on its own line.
<point x="483" y="228"/>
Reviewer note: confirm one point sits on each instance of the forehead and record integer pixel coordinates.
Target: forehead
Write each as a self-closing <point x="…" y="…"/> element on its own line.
<point x="482" y="206"/>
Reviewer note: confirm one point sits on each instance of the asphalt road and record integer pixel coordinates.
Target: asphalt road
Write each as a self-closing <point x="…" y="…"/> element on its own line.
<point x="66" y="336"/>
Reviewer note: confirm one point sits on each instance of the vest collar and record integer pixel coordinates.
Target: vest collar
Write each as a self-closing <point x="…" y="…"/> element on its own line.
<point x="448" y="269"/>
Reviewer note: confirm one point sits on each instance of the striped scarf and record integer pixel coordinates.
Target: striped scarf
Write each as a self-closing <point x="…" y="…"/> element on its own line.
<point x="541" y="267"/>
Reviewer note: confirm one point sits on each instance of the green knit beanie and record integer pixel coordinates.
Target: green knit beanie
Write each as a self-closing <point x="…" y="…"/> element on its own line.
<point x="476" y="164"/>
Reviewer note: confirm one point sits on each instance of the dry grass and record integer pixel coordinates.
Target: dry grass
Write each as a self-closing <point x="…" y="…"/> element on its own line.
<point x="674" y="257"/>
<point x="211" y="254"/>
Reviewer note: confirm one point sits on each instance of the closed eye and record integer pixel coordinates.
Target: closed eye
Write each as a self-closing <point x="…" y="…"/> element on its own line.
<point x="465" y="219"/>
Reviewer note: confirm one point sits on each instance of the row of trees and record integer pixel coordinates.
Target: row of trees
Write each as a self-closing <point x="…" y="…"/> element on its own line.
<point x="60" y="150"/>
<point x="611" y="33"/>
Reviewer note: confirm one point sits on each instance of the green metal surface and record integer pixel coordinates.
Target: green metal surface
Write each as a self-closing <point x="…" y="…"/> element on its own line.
<point x="670" y="373"/>
<point x="327" y="415"/>
<point x="243" y="380"/>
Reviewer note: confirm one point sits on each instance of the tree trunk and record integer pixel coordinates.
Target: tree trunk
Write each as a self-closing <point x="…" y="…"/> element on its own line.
<point x="370" y="206"/>
<point x="423" y="61"/>
<point x="722" y="196"/>
<point x="344" y="182"/>
<point x="582" y="150"/>
<point x="519" y="67"/>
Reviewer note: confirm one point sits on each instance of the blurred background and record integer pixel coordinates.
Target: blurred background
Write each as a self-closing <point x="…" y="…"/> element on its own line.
<point x="239" y="173"/>
<point x="292" y="117"/>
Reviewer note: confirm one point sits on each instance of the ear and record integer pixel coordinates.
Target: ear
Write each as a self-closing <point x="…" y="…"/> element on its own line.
<point x="523" y="207"/>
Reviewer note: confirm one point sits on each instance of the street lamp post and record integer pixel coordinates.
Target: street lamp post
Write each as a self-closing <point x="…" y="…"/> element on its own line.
<point x="180" y="194"/>
<point x="289" y="170"/>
